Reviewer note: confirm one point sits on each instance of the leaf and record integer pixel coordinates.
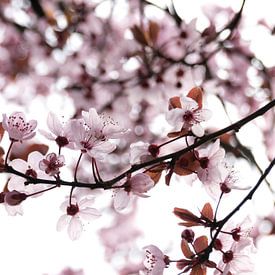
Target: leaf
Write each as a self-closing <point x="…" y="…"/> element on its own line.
<point x="186" y="215"/>
<point x="207" y="212"/>
<point x="153" y="31"/>
<point x="198" y="270"/>
<point x="155" y="173"/>
<point x="200" y="244"/>
<point x="139" y="35"/>
<point x="186" y="165"/>
<point x="185" y="248"/>
<point x="196" y="94"/>
<point x="174" y="102"/>
<point x="23" y="152"/>
<point x="2" y="131"/>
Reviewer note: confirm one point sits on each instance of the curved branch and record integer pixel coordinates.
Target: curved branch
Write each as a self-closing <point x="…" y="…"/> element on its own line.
<point x="109" y="183"/>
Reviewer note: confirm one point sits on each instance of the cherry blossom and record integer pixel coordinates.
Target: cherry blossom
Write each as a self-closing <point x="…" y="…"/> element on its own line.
<point x="84" y="140"/>
<point x="137" y="185"/>
<point x="237" y="260"/>
<point x="59" y="131"/>
<point x="29" y="168"/>
<point x="17" y="127"/>
<point x="228" y="178"/>
<point x="142" y="151"/>
<point x="51" y="164"/>
<point x="102" y="127"/>
<point x="155" y="261"/>
<point x="189" y="116"/>
<point x="77" y="209"/>
<point x="209" y="158"/>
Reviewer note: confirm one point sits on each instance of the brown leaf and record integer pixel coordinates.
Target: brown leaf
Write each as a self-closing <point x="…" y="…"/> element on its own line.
<point x="185" y="248"/>
<point x="207" y="212"/>
<point x="174" y="102"/>
<point x="23" y="152"/>
<point x="139" y="35"/>
<point x="196" y="94"/>
<point x="155" y="173"/>
<point x="186" y="165"/>
<point x="198" y="270"/>
<point x="186" y="215"/>
<point x="153" y="31"/>
<point x="200" y="244"/>
<point x="2" y="131"/>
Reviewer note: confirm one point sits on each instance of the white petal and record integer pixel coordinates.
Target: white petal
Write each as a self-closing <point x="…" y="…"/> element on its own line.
<point x="174" y="116"/>
<point x="86" y="202"/>
<point x="54" y="124"/>
<point x="205" y="114"/>
<point x="75" y="228"/>
<point x="62" y="222"/>
<point x="197" y="130"/>
<point x="121" y="200"/>
<point x="89" y="214"/>
<point x="19" y="165"/>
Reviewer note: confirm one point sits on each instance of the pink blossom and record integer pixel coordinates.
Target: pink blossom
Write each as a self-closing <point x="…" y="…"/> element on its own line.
<point x="155" y="261"/>
<point x="228" y="178"/>
<point x="17" y="127"/>
<point x="237" y="259"/>
<point x="85" y="140"/>
<point x="29" y="168"/>
<point x="137" y="185"/>
<point x="59" y="131"/>
<point x="189" y="116"/>
<point x="102" y="127"/>
<point x="138" y="151"/>
<point x="77" y="210"/>
<point x="209" y="159"/>
<point x="51" y="164"/>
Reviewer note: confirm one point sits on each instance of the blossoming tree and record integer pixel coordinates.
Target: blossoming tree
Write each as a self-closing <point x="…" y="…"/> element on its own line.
<point x="144" y="87"/>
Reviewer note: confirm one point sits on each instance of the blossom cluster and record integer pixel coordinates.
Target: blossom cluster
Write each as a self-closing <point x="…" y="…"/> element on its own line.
<point x="93" y="135"/>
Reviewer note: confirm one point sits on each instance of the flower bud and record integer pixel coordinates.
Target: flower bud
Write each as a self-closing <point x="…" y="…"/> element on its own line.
<point x="14" y="197"/>
<point x="188" y="235"/>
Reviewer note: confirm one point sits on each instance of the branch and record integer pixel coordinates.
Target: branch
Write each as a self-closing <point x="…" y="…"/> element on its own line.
<point x="109" y="183"/>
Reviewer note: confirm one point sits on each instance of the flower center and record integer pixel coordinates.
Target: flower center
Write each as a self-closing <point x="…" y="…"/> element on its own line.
<point x="61" y="141"/>
<point x="72" y="209"/>
<point x="204" y="162"/>
<point x="31" y="173"/>
<point x="188" y="116"/>
<point x="227" y="256"/>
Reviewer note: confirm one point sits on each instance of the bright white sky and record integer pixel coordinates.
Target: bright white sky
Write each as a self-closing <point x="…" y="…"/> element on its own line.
<point x="30" y="244"/>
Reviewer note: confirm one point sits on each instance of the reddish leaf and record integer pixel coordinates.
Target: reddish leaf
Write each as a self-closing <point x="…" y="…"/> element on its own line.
<point x="210" y="264"/>
<point x="207" y="212"/>
<point x="174" y="102"/>
<point x="23" y="152"/>
<point x="168" y="176"/>
<point x="186" y="164"/>
<point x="186" y="215"/>
<point x="2" y="131"/>
<point x="185" y="248"/>
<point x="155" y="173"/>
<point x="153" y="31"/>
<point x="139" y="35"/>
<point x="200" y="244"/>
<point x="196" y="94"/>
<point x="198" y="270"/>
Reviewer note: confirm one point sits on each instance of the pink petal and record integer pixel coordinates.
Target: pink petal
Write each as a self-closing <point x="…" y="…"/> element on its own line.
<point x="75" y="228"/>
<point x="121" y="200"/>
<point x="62" y="222"/>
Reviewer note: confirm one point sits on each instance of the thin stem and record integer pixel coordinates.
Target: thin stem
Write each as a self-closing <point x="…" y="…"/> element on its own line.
<point x="75" y="177"/>
<point x="42" y="191"/>
<point x="218" y="204"/>
<point x="76" y="167"/>
<point x="8" y="153"/>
